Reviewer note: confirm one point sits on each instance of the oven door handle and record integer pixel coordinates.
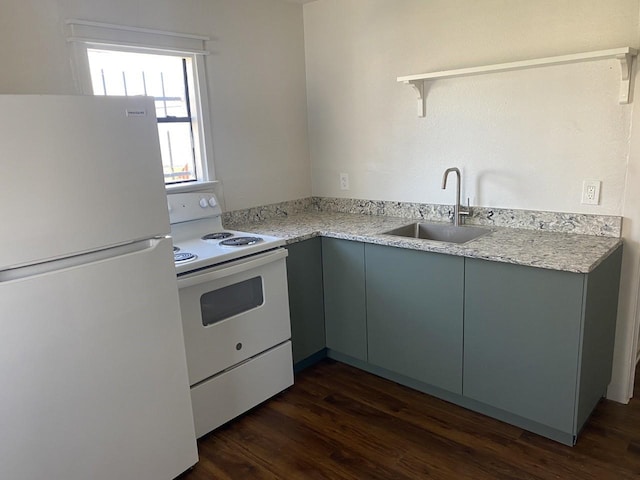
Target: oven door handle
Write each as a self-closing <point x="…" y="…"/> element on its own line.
<point x="239" y="267"/>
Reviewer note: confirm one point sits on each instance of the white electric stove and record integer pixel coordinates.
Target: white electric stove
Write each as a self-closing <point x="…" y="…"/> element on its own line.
<point x="235" y="311"/>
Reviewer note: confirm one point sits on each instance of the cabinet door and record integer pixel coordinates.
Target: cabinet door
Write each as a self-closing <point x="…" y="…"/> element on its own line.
<point x="522" y="333"/>
<point x="344" y="297"/>
<point x="306" y="304"/>
<point x="414" y="305"/>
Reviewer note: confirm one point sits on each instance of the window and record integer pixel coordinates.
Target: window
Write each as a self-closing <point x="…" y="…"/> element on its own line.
<point x="169" y="80"/>
<point x="119" y="60"/>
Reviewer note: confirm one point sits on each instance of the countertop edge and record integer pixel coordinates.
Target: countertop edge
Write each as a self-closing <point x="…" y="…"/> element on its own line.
<point x="524" y="251"/>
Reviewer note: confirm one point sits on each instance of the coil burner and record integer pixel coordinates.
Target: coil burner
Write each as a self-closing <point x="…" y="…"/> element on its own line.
<point x="240" y="241"/>
<point x="217" y="236"/>
<point x="183" y="257"/>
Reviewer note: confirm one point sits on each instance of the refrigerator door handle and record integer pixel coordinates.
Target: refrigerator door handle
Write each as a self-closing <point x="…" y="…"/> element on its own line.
<point x="28" y="271"/>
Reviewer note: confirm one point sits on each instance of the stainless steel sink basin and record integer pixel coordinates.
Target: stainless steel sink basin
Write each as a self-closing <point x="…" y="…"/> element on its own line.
<point x="439" y="232"/>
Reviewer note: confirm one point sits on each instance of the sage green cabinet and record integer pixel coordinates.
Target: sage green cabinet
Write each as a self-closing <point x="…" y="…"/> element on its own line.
<point x="530" y="346"/>
<point x="344" y="297"/>
<point x="539" y="343"/>
<point x="415" y="314"/>
<point x="306" y="303"/>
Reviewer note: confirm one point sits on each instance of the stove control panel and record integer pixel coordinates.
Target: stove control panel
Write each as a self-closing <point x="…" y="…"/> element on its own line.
<point x="184" y="207"/>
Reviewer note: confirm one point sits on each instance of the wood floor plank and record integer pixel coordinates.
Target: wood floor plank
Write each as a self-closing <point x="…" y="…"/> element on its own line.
<point x="291" y="447"/>
<point x="383" y="393"/>
<point x="224" y="461"/>
<point x="450" y="422"/>
<point x="341" y="423"/>
<point x="505" y="456"/>
<point x="404" y="448"/>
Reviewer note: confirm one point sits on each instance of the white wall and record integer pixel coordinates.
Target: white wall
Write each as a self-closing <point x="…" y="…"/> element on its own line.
<point x="256" y="78"/>
<point x="523" y="139"/>
<point x="628" y="327"/>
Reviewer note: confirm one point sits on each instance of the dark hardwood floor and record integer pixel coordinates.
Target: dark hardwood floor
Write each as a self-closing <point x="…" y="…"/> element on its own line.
<point x="338" y="422"/>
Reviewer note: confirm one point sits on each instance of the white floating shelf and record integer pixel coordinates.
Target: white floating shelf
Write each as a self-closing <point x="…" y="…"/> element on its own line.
<point x="624" y="55"/>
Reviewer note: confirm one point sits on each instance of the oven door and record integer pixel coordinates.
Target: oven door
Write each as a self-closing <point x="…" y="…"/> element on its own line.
<point x="233" y="312"/>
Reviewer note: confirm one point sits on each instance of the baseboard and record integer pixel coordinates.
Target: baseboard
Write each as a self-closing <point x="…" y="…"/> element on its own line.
<point x="310" y="360"/>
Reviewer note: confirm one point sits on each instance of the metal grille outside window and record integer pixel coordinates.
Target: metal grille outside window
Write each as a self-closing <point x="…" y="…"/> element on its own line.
<point x="167" y="79"/>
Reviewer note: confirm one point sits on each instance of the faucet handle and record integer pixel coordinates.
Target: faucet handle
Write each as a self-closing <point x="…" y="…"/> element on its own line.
<point x="465" y="210"/>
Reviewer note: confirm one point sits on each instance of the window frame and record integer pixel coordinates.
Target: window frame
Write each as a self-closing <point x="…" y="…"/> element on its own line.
<point x="84" y="35"/>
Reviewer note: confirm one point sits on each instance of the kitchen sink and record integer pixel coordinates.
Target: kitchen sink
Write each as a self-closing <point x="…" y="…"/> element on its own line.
<point x="439" y="232"/>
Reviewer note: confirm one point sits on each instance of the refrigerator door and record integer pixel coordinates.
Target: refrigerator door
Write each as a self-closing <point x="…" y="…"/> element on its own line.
<point x="78" y="174"/>
<point x="93" y="371"/>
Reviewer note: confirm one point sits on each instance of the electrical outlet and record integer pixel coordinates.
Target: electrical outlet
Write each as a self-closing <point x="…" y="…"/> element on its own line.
<point x="344" y="181"/>
<point x="591" y="192"/>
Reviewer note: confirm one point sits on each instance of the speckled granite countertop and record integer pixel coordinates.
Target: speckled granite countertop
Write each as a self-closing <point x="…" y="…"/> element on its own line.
<point x="555" y="251"/>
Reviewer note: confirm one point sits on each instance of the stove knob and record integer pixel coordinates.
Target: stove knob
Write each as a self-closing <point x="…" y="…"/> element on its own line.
<point x="212" y="201"/>
<point x="204" y="203"/>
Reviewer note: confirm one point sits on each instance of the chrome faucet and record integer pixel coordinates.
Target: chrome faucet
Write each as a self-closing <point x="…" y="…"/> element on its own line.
<point x="458" y="210"/>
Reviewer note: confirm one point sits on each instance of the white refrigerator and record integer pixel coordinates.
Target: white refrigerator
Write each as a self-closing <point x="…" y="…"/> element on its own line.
<point x="93" y="375"/>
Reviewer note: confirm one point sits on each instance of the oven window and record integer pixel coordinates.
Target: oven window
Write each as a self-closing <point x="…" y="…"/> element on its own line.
<point x="231" y="300"/>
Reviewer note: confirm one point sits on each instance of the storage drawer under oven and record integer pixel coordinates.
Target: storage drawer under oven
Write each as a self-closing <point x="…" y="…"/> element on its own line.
<point x="233" y="312"/>
<point x="233" y="392"/>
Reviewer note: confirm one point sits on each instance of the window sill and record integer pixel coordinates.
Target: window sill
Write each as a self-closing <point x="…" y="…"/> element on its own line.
<point x="190" y="186"/>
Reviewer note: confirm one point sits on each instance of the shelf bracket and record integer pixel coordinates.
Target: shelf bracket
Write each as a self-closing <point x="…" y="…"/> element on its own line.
<point x="626" y="61"/>
<point x="419" y="87"/>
